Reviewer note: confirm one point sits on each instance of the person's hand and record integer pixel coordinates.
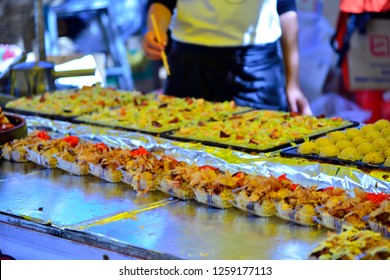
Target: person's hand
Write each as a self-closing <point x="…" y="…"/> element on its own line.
<point x="151" y="46"/>
<point x="297" y="101"/>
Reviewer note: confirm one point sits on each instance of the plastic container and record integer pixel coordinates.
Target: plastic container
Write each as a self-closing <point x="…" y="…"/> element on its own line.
<point x="17" y="156"/>
<point x="140" y="181"/>
<point x="72" y="167"/>
<point x="127" y="177"/>
<point x="173" y="188"/>
<point x="48" y="162"/>
<point x="284" y="211"/>
<point x="384" y="230"/>
<point x="265" y="208"/>
<point x="216" y="201"/>
<point x="143" y="182"/>
<point x="110" y="175"/>
<point x="337" y="224"/>
<point x="328" y="221"/>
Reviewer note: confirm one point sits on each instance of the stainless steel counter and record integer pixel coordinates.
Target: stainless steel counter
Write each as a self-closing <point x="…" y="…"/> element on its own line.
<point x="91" y="211"/>
<point x="189" y="230"/>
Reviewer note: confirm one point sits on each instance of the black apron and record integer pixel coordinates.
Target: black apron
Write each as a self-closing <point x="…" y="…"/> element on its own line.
<point x="252" y="76"/>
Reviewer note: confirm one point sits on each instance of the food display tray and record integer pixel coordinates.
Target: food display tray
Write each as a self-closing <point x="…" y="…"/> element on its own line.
<point x="154" y="133"/>
<point x="170" y="135"/>
<point x="38" y="114"/>
<point x="292" y="152"/>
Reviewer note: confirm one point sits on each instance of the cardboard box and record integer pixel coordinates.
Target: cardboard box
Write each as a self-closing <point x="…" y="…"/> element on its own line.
<point x="369" y="57"/>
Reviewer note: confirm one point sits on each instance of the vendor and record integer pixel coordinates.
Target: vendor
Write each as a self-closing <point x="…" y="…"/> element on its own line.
<point x="227" y="50"/>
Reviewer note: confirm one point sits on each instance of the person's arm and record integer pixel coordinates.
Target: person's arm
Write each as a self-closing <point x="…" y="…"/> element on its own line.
<point x="162" y="11"/>
<point x="289" y="25"/>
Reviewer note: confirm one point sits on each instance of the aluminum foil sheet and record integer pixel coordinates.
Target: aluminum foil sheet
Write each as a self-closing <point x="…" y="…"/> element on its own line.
<point x="299" y="170"/>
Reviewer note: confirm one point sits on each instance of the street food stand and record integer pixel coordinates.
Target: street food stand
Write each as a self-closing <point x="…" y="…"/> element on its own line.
<point x="51" y="214"/>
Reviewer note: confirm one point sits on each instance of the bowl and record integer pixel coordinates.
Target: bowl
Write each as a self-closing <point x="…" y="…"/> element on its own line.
<point x="17" y="132"/>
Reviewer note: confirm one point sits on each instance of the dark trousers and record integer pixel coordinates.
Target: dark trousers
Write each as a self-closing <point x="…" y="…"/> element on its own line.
<point x="252" y="76"/>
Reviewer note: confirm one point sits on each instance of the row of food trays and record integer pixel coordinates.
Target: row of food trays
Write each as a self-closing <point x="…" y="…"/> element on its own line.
<point x="222" y="124"/>
<point x="264" y="196"/>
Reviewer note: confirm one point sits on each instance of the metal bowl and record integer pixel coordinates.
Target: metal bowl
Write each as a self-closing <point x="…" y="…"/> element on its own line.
<point x="18" y="131"/>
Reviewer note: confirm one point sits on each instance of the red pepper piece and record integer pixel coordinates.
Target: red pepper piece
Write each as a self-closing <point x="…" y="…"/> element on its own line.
<point x="43" y="135"/>
<point x="208" y="167"/>
<point x="138" y="152"/>
<point x="72" y="140"/>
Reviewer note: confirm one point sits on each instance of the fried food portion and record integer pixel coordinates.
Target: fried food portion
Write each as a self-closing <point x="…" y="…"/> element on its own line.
<point x="353" y="244"/>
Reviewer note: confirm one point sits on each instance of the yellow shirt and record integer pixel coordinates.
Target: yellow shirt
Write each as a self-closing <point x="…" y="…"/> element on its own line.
<point x="226" y="22"/>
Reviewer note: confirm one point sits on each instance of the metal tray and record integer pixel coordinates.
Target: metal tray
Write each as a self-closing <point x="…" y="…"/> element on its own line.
<point x="292" y="152"/>
<point x="154" y="133"/>
<point x="4" y="98"/>
<point x="39" y="114"/>
<point x="134" y="129"/>
<point x="170" y="135"/>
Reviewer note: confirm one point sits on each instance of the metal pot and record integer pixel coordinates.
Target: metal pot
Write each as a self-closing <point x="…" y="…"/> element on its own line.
<point x="31" y="78"/>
